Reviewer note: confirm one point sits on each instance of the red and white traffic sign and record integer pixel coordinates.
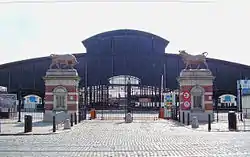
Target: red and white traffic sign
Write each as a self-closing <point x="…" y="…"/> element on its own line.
<point x="186" y="95"/>
<point x="186" y="104"/>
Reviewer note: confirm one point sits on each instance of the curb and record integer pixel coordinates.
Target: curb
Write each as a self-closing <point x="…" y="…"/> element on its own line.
<point x="27" y="134"/>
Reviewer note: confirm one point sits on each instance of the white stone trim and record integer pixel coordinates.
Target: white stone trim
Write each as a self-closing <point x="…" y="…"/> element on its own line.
<point x="69" y="93"/>
<point x="61" y="82"/>
<point x="208" y="102"/>
<point x="188" y="82"/>
<point x="206" y="93"/>
<point x="68" y="102"/>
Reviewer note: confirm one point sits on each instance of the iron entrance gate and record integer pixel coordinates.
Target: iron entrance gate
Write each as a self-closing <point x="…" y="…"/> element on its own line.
<point x="115" y="100"/>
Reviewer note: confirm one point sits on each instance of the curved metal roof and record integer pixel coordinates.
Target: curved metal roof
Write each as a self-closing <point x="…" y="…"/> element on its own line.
<point x="38" y="59"/>
<point x="125" y="41"/>
<point x="123" y="32"/>
<point x="46" y="58"/>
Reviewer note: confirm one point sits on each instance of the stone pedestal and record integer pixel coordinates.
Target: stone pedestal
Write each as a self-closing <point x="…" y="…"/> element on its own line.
<point x="61" y="92"/>
<point x="196" y="93"/>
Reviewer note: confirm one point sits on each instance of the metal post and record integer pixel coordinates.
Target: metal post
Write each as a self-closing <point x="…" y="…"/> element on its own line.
<point x="217" y="109"/>
<point x="176" y="111"/>
<point x="102" y="100"/>
<point x="85" y="110"/>
<point x="19" y="105"/>
<point x="179" y="119"/>
<point x="188" y="120"/>
<point x="241" y="118"/>
<point x="129" y="96"/>
<point x="85" y="91"/>
<point x="75" y="118"/>
<point x="79" y="117"/>
<point x="209" y="122"/>
<point x="71" y="119"/>
<point x="183" y="117"/>
<point x="54" y="123"/>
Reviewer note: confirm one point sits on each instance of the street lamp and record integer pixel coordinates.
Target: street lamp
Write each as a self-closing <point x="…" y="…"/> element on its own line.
<point x="241" y="118"/>
<point x="216" y="100"/>
<point x="128" y="94"/>
<point x="19" y="105"/>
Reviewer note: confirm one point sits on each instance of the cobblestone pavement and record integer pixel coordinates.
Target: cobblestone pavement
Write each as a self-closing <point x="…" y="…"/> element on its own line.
<point x="222" y="124"/>
<point x="11" y="126"/>
<point x="140" y="138"/>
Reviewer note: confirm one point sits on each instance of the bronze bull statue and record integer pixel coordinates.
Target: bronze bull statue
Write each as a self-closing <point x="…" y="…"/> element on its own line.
<point x="190" y="60"/>
<point x="67" y="60"/>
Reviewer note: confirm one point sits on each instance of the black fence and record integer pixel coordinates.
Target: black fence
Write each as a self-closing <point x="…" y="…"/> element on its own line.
<point x="16" y="115"/>
<point x="113" y="102"/>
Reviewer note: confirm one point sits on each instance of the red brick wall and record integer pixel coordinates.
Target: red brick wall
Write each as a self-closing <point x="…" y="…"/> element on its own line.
<point x="72" y="107"/>
<point x="48" y="106"/>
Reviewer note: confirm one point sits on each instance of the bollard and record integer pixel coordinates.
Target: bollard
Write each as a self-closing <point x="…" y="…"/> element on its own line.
<point x="84" y="117"/>
<point x="232" y="121"/>
<point x="27" y="123"/>
<point x="179" y="118"/>
<point x="176" y="115"/>
<point x="71" y="119"/>
<point x="54" y="123"/>
<point x="183" y="117"/>
<point x="75" y="118"/>
<point x="188" y="120"/>
<point x="79" y="117"/>
<point x="209" y="122"/>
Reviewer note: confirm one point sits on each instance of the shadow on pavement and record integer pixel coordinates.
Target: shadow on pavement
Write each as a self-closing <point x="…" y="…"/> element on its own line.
<point x="35" y="124"/>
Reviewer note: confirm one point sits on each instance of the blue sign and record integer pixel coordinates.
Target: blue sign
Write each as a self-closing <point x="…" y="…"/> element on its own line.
<point x="245" y="89"/>
<point x="32" y="99"/>
<point x="245" y="86"/>
<point x="227" y="98"/>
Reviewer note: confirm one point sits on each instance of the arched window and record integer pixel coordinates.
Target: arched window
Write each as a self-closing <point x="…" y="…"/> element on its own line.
<point x="197" y="93"/>
<point x="60" y="98"/>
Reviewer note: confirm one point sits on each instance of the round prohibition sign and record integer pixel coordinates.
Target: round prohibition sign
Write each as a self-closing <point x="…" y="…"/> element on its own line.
<point x="186" y="95"/>
<point x="186" y="104"/>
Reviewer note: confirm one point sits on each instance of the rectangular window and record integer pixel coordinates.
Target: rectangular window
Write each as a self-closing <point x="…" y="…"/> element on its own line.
<point x="60" y="101"/>
<point x="57" y="101"/>
<point x="197" y="101"/>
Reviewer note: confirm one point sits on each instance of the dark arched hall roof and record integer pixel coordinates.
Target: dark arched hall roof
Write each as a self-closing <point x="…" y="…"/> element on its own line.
<point x="125" y="41"/>
<point x="116" y="53"/>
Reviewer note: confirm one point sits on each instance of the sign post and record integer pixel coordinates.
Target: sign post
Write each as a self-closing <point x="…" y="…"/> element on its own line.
<point x="169" y="100"/>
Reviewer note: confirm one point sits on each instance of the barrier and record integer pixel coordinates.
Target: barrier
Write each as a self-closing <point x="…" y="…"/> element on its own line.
<point x="161" y="113"/>
<point x="92" y="113"/>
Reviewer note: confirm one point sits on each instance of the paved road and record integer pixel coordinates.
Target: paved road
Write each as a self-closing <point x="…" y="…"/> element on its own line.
<point x="114" y="138"/>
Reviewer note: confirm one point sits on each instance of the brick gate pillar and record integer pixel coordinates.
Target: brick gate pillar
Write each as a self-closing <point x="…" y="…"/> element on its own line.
<point x="196" y="93"/>
<point x="61" y="92"/>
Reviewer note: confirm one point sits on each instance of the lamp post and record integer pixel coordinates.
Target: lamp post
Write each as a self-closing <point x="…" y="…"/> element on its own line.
<point x="128" y="95"/>
<point x="80" y="105"/>
<point x="241" y="118"/>
<point x="216" y="103"/>
<point x="19" y="105"/>
<point x="216" y="100"/>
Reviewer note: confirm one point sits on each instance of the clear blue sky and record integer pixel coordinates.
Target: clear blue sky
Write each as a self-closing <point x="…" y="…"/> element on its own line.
<point x="221" y="28"/>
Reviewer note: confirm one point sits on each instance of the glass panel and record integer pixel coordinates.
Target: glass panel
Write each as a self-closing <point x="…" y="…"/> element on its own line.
<point x="197" y="100"/>
<point x="57" y="101"/>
